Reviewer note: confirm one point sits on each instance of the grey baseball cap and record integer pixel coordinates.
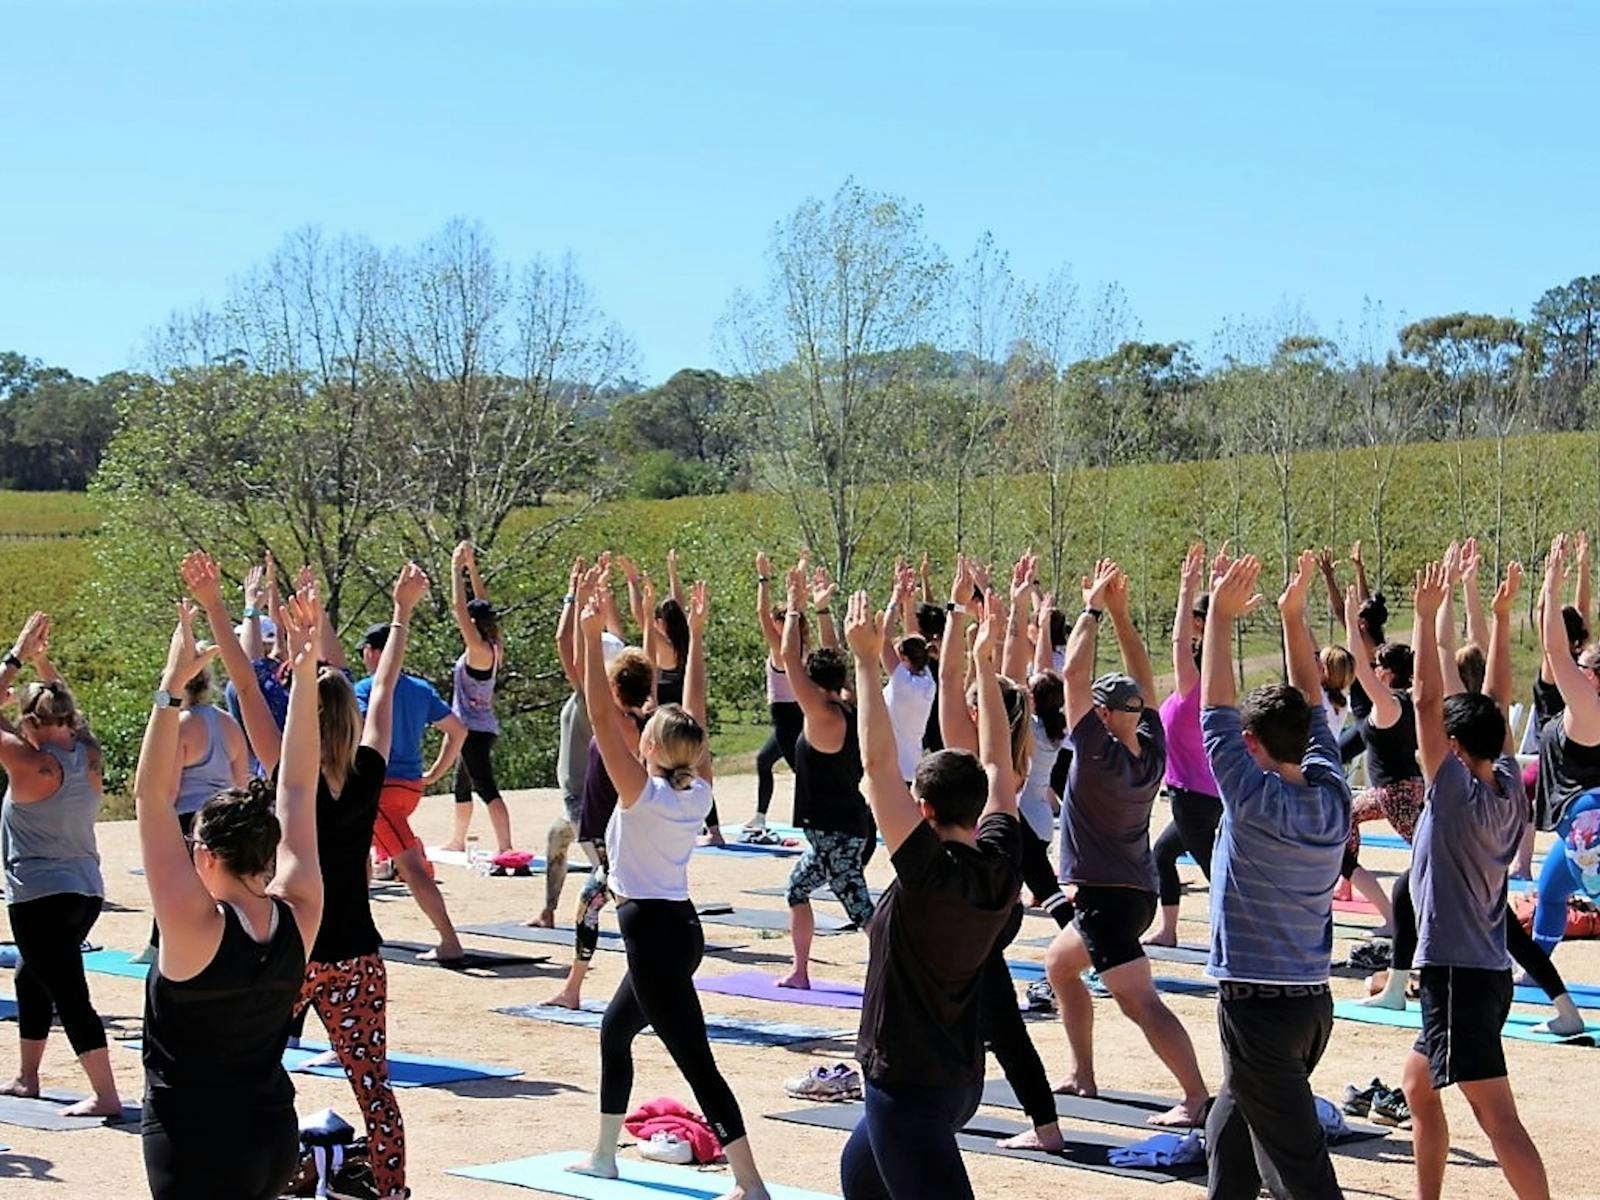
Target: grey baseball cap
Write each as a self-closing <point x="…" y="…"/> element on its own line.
<point x="1118" y="692"/>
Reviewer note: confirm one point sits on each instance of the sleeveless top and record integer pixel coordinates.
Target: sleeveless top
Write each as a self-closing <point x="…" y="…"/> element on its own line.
<point x="669" y="686"/>
<point x="1567" y="769"/>
<point x="220" y="1036"/>
<point x="599" y="794"/>
<point x="827" y="787"/>
<point x="1392" y="752"/>
<point x="778" y="689"/>
<point x="213" y="773"/>
<point x="473" y="699"/>
<point x="49" y="847"/>
<point x="648" y="846"/>
<point x="1032" y="802"/>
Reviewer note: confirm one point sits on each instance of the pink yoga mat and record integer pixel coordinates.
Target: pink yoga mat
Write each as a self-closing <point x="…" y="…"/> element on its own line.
<point x="753" y="985"/>
<point x="1355" y="906"/>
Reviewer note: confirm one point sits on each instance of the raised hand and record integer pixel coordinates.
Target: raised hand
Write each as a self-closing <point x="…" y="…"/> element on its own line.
<point x="1220" y="563"/>
<point x="185" y="659"/>
<point x="1352" y="609"/>
<point x="592" y="618"/>
<point x="33" y="639"/>
<point x="1583" y="545"/>
<point x="1325" y="560"/>
<point x="797" y="588"/>
<point x="861" y="631"/>
<point x="1194" y="565"/>
<point x="1555" y="570"/>
<point x="1471" y="562"/>
<point x="307" y="578"/>
<point x="1506" y="593"/>
<point x="255" y="587"/>
<point x="823" y="589"/>
<point x="991" y="634"/>
<point x="409" y="588"/>
<point x="203" y="579"/>
<point x="1433" y="584"/>
<point x="1235" y="595"/>
<point x="647" y="595"/>
<point x="302" y="632"/>
<point x="629" y="568"/>
<point x="1292" y="603"/>
<point x="961" y="585"/>
<point x="1095" y="587"/>
<point x="763" y="564"/>
<point x="1452" y="563"/>
<point x="1355" y="554"/>
<point x="1022" y="576"/>
<point x="699" y="607"/>
<point x="1117" y="594"/>
<point x="576" y="573"/>
<point x="980" y="576"/>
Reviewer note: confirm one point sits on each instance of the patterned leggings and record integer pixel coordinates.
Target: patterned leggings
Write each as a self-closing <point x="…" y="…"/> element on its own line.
<point x="352" y="998"/>
<point x="1400" y="804"/>
<point x="834" y="859"/>
<point x="592" y="900"/>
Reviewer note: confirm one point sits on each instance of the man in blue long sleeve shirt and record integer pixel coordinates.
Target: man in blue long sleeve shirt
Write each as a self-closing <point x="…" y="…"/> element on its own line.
<point x="1285" y="818"/>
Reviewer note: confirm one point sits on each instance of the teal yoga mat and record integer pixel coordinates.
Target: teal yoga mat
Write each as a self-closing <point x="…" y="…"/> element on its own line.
<point x="639" y="1180"/>
<point x="1518" y="1025"/>
<point x="734" y="1031"/>
<point x="405" y="1070"/>
<point x="115" y="962"/>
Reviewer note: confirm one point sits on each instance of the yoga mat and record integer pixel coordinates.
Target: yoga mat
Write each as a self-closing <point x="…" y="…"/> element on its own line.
<point x="405" y="1070"/>
<point x="1084" y="1148"/>
<point x="1027" y="972"/>
<point x="752" y="848"/>
<point x="115" y="962"/>
<point x="1364" y="907"/>
<point x="8" y="1009"/>
<point x="517" y="932"/>
<point x="1131" y="1110"/>
<point x="406" y="952"/>
<point x="639" y="1180"/>
<point x="1518" y="1025"/>
<point x="822" y="893"/>
<point x="753" y="985"/>
<point x="735" y="1031"/>
<point x="775" y="919"/>
<point x="46" y="1113"/>
<point x="1584" y="995"/>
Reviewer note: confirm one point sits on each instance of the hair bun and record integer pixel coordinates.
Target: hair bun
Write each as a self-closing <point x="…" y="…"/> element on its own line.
<point x="682" y="778"/>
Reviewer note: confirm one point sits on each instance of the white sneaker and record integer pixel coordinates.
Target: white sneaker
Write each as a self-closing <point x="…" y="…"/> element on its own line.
<point x="837" y="1081"/>
<point x="667" y="1148"/>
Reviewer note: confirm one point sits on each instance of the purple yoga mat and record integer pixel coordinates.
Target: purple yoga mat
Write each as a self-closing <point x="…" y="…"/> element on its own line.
<point x="753" y="985"/>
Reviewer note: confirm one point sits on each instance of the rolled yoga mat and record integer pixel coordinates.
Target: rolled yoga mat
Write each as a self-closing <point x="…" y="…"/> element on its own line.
<point x="735" y="1031"/>
<point x="637" y="1180"/>
<point x="755" y="985"/>
<point x="1084" y="1148"/>
<point x="1518" y="1025"/>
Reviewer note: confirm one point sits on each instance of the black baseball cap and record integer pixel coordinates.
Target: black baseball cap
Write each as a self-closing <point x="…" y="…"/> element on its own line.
<point x="376" y="636"/>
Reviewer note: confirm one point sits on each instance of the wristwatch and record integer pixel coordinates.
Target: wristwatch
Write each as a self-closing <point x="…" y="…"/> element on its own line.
<point x="250" y="610"/>
<point x="11" y="660"/>
<point x="165" y="699"/>
<point x="1091" y="611"/>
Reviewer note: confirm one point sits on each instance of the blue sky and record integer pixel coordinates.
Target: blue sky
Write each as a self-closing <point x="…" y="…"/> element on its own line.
<point x="1216" y="159"/>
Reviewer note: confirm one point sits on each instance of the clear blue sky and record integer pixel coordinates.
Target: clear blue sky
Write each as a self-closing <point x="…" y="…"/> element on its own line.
<point x="1215" y="158"/>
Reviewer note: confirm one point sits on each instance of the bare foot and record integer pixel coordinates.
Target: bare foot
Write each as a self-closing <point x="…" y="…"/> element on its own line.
<point x="712" y="837"/>
<point x="94" y="1106"/>
<point x="444" y="956"/>
<point x="1160" y="939"/>
<point x="600" y="1168"/>
<point x="1561" y="1026"/>
<point x="28" y="1089"/>
<point x="327" y="1058"/>
<point x="1047" y="1139"/>
<point x="545" y="920"/>
<point x="459" y="848"/>
<point x="796" y="979"/>
<point x="565" y="998"/>
<point x="1342" y="890"/>
<point x="1188" y="1115"/>
<point x="756" y="1191"/>
<point x="1077" y="1087"/>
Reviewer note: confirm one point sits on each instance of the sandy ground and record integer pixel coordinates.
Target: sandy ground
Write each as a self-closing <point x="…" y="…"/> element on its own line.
<point x="552" y="1105"/>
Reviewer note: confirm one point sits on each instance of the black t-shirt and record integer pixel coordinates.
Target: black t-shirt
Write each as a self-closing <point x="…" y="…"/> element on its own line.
<point x="344" y="842"/>
<point x="1392" y="752"/>
<point x="827" y="787"/>
<point x="599" y="798"/>
<point x="1567" y="769"/>
<point x="1547" y="702"/>
<point x="928" y="938"/>
<point x="932" y="736"/>
<point x="1360" y="702"/>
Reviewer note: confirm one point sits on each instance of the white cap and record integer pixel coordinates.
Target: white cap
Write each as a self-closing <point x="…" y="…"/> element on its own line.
<point x="269" y="630"/>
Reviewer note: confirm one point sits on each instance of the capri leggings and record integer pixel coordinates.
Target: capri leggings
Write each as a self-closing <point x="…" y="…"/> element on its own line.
<point x="49" y="933"/>
<point x="352" y="998"/>
<point x="833" y="859"/>
<point x="1528" y="954"/>
<point x="787" y="722"/>
<point x="1193" y="828"/>
<point x="1399" y="803"/>
<point x="558" y="841"/>
<point x="592" y="900"/>
<point x="1571" y="866"/>
<point x="475" y="770"/>
<point x="1041" y="879"/>
<point x="664" y="944"/>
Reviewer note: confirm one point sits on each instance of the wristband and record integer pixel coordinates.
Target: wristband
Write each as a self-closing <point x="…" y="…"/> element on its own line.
<point x="11" y="660"/>
<point x="1090" y="611"/>
<point x="569" y="598"/>
<point x="824" y="612"/>
<point x="251" y="611"/>
<point x="761" y="579"/>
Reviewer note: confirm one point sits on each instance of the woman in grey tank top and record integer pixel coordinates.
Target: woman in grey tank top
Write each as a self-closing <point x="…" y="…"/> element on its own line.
<point x="474" y="677"/>
<point x="52" y="870"/>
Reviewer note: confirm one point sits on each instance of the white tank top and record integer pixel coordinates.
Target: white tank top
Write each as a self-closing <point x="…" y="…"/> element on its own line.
<point x="649" y="845"/>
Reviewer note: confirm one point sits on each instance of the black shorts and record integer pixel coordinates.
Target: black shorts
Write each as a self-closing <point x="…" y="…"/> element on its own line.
<point x="1463" y="1009"/>
<point x="1110" y="920"/>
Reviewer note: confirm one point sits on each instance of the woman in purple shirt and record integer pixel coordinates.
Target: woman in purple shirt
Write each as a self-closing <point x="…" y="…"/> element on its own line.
<point x="474" y="677"/>
<point x="1191" y="790"/>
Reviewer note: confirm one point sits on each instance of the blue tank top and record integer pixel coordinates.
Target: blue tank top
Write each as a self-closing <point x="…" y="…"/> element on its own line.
<point x="49" y="847"/>
<point x="213" y="773"/>
<point x="473" y="699"/>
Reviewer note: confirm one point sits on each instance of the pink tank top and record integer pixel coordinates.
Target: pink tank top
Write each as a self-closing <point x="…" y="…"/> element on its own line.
<point x="1187" y="765"/>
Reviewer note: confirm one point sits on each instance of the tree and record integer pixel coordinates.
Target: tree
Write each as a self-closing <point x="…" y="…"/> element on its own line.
<point x="695" y="418"/>
<point x="1046" y="416"/>
<point x="1388" y="402"/>
<point x="852" y="286"/>
<point x="985" y="308"/>
<point x="54" y="426"/>
<point x="1566" y="321"/>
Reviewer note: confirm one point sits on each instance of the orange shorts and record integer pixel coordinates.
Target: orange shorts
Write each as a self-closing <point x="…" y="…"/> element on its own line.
<point x="392" y="833"/>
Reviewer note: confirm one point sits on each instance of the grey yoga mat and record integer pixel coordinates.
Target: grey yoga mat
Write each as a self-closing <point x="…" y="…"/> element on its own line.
<point x="47" y="1113"/>
<point x="774" y="919"/>
<point x="1084" y="1148"/>
<point x="480" y="960"/>
<point x="735" y="1031"/>
<point x="561" y="936"/>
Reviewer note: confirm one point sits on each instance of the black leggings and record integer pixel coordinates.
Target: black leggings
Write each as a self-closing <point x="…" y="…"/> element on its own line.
<point x="218" y="1149"/>
<point x="475" y="771"/>
<point x="787" y="722"/>
<point x="1006" y="1035"/>
<point x="1527" y="952"/>
<point x="1041" y="879"/>
<point x="664" y="943"/>
<point x="49" y="933"/>
<point x="1195" y="817"/>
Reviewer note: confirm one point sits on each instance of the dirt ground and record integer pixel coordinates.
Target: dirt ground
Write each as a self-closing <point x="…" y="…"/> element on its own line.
<point x="552" y="1104"/>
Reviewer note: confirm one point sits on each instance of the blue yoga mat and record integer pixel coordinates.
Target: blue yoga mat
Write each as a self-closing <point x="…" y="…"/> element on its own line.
<point x="1518" y="1025"/>
<point x="1584" y="995"/>
<point x="405" y="1070"/>
<point x="8" y="1009"/>
<point x="639" y="1180"/>
<point x="115" y="962"/>
<point x="751" y="848"/>
<point x="735" y="1031"/>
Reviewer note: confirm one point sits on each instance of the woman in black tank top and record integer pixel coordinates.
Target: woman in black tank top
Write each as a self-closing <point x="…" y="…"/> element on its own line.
<point x="219" y="1115"/>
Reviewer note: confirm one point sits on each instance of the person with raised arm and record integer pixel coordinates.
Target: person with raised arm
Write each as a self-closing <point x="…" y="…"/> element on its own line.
<point x="1118" y="759"/>
<point x="473" y="680"/>
<point x="235" y="925"/>
<point x="784" y="709"/>
<point x="953" y="840"/>
<point x="911" y="688"/>
<point x="1568" y="799"/>
<point x="1285" y="818"/>
<point x="1466" y="840"/>
<point x="1191" y="791"/>
<point x="626" y="703"/>
<point x="662" y="777"/>
<point x="53" y="887"/>
<point x="828" y="804"/>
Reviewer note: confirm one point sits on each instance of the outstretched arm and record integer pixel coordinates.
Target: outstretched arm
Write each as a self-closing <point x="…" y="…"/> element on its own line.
<point x="1497" y="670"/>
<point x="893" y="808"/>
<point x="674" y="584"/>
<point x="1330" y="580"/>
<point x="409" y="588"/>
<point x="1043" y="652"/>
<point x="1233" y="595"/>
<point x="1184" y="672"/>
<point x="888" y="659"/>
<point x="1427" y="684"/>
<point x="1135" y="657"/>
<point x="621" y="760"/>
<point x="1582" y="715"/>
<point x="1300" y="649"/>
<point x="299" y="876"/>
<point x="464" y="564"/>
<point x="204" y="582"/>
<point x="1079" y="671"/>
<point x="1444" y="624"/>
<point x="1584" y="598"/>
<point x="823" y="590"/>
<point x="956" y="729"/>
<point x="770" y="632"/>
<point x="631" y="576"/>
<point x="1385" y="708"/>
<point x="1017" y="649"/>
<point x="994" y="731"/>
<point x="1363" y="592"/>
<point x="567" y="628"/>
<point x="1471" y="597"/>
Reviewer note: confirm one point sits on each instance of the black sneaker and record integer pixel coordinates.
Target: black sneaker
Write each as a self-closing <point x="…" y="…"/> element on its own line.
<point x="1041" y="996"/>
<point x="1375" y="955"/>
<point x="1358" y="1101"/>
<point x="1389" y="1108"/>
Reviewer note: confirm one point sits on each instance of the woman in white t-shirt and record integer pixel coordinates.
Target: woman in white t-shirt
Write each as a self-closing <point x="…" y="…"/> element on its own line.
<point x="912" y="686"/>
<point x="663" y="795"/>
